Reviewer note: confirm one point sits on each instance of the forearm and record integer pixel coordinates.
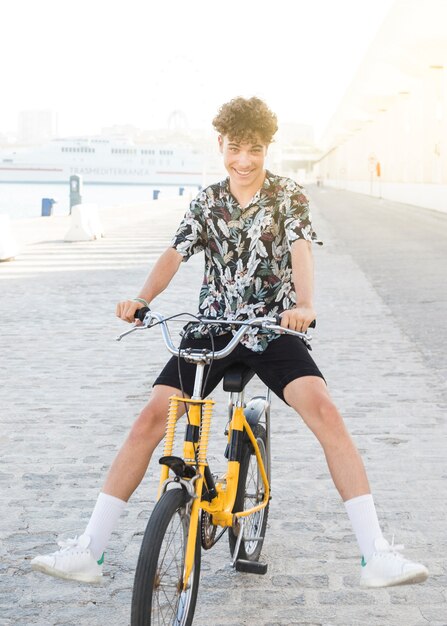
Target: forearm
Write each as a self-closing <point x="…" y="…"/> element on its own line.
<point x="161" y="274"/>
<point x="303" y="313"/>
<point x="303" y="272"/>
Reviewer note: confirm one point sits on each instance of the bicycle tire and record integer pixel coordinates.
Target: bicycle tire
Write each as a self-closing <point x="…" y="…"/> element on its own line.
<point x="250" y="491"/>
<point x="158" y="596"/>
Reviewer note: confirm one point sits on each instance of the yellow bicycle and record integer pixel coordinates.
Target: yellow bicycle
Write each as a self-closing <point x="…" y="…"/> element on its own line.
<point x="193" y="503"/>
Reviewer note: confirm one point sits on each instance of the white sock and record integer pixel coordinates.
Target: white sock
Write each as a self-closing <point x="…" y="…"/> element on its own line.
<point x="363" y="517"/>
<point x="104" y="518"/>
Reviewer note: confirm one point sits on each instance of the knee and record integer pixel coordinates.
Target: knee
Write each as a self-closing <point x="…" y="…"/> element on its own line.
<point x="325" y="419"/>
<point x="328" y="415"/>
<point x="149" y="423"/>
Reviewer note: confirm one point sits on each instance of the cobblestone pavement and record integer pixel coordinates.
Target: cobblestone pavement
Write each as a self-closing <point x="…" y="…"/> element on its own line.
<point x="70" y="393"/>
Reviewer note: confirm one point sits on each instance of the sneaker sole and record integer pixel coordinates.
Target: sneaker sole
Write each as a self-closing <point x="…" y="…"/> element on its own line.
<point x="411" y="579"/>
<point x="46" y="569"/>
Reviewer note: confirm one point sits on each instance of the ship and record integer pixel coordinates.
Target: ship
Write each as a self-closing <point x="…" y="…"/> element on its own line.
<point x="103" y="161"/>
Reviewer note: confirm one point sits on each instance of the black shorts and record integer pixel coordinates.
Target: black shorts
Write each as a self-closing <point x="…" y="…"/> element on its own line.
<point x="284" y="359"/>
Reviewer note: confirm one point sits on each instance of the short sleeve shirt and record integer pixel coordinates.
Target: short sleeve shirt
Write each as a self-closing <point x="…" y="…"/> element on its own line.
<point x="248" y="267"/>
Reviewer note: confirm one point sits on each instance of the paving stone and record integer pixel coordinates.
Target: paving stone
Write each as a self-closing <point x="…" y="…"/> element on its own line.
<point x="70" y="393"/>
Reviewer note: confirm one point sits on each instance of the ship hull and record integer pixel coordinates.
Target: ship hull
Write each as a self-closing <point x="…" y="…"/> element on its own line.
<point x="97" y="175"/>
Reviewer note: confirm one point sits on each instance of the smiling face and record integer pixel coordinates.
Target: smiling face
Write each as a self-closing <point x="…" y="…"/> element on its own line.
<point x="244" y="163"/>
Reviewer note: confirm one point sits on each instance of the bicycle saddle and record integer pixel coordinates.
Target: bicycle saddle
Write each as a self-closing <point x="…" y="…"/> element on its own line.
<point x="236" y="377"/>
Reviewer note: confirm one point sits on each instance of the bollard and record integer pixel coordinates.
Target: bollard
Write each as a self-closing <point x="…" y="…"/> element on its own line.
<point x="8" y="245"/>
<point x="180" y="191"/>
<point x="85" y="223"/>
<point x="155" y="194"/>
<point x="47" y="207"/>
<point x="75" y="190"/>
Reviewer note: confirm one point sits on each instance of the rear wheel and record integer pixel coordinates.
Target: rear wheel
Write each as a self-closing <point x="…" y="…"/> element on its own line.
<point x="250" y="492"/>
<point x="158" y="595"/>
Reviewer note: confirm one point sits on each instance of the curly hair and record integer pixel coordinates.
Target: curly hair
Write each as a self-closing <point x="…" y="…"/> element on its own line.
<point x="246" y="120"/>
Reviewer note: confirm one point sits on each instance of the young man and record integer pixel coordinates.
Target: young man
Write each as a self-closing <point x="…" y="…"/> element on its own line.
<point x="256" y="232"/>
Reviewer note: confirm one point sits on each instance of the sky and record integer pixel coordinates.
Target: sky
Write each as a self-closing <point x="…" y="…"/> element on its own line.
<point x="103" y="62"/>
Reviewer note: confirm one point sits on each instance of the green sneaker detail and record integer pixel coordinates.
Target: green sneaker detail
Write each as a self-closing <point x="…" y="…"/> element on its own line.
<point x="101" y="560"/>
<point x="363" y="561"/>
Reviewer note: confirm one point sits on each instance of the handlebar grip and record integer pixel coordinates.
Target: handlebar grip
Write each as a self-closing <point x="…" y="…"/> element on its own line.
<point x="278" y="321"/>
<point x="140" y="314"/>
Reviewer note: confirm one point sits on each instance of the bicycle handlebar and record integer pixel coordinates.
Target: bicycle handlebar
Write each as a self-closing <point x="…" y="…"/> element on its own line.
<point x="146" y="316"/>
<point x="140" y="314"/>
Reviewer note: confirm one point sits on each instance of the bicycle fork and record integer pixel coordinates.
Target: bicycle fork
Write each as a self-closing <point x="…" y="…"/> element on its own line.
<point x="195" y="449"/>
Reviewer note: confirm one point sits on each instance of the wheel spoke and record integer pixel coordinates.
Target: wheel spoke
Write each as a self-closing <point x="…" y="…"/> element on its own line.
<point x="158" y="590"/>
<point x="172" y="534"/>
<point x="173" y="557"/>
<point x="251" y="494"/>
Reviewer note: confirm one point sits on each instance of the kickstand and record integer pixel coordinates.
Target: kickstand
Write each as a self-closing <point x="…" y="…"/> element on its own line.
<point x="241" y="523"/>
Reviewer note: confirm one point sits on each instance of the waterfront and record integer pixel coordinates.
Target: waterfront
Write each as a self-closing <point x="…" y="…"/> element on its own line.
<point x="21" y="200"/>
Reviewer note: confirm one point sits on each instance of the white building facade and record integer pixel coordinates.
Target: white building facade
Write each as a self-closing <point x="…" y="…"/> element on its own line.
<point x="388" y="137"/>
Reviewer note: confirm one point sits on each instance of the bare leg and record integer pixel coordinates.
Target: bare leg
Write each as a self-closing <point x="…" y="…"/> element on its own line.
<point x="131" y="462"/>
<point x="310" y="398"/>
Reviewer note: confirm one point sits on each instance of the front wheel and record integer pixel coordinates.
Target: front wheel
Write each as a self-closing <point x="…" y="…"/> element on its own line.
<point x="158" y="596"/>
<point x="250" y="493"/>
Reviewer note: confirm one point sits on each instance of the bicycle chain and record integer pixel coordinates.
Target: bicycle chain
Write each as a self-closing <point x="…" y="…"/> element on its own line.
<point x="207" y="531"/>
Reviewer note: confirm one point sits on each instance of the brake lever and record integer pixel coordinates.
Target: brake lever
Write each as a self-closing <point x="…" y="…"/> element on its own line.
<point x="132" y="330"/>
<point x="286" y="331"/>
<point x="146" y="322"/>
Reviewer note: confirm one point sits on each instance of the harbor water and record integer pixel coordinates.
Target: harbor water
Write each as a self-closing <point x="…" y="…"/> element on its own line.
<point x="25" y="200"/>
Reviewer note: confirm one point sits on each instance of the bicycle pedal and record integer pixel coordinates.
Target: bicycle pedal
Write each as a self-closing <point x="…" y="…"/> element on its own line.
<point x="251" y="567"/>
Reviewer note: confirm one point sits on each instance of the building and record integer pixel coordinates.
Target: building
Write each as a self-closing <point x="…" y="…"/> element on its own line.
<point x="36" y="127"/>
<point x="388" y="137"/>
<point x="294" y="152"/>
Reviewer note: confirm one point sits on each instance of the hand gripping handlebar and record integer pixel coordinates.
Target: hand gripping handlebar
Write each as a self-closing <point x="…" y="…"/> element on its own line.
<point x="149" y="318"/>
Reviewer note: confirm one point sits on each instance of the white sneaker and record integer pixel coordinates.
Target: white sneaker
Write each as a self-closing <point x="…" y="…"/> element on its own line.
<point x="387" y="567"/>
<point x="73" y="561"/>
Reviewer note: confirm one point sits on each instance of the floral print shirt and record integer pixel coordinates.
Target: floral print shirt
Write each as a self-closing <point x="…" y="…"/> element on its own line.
<point x="248" y="268"/>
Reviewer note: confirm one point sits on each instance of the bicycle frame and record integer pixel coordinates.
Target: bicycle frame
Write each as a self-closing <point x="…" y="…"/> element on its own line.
<point x="195" y="453"/>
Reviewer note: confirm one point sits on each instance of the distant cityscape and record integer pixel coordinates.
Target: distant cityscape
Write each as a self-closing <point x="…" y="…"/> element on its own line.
<point x="293" y="151"/>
